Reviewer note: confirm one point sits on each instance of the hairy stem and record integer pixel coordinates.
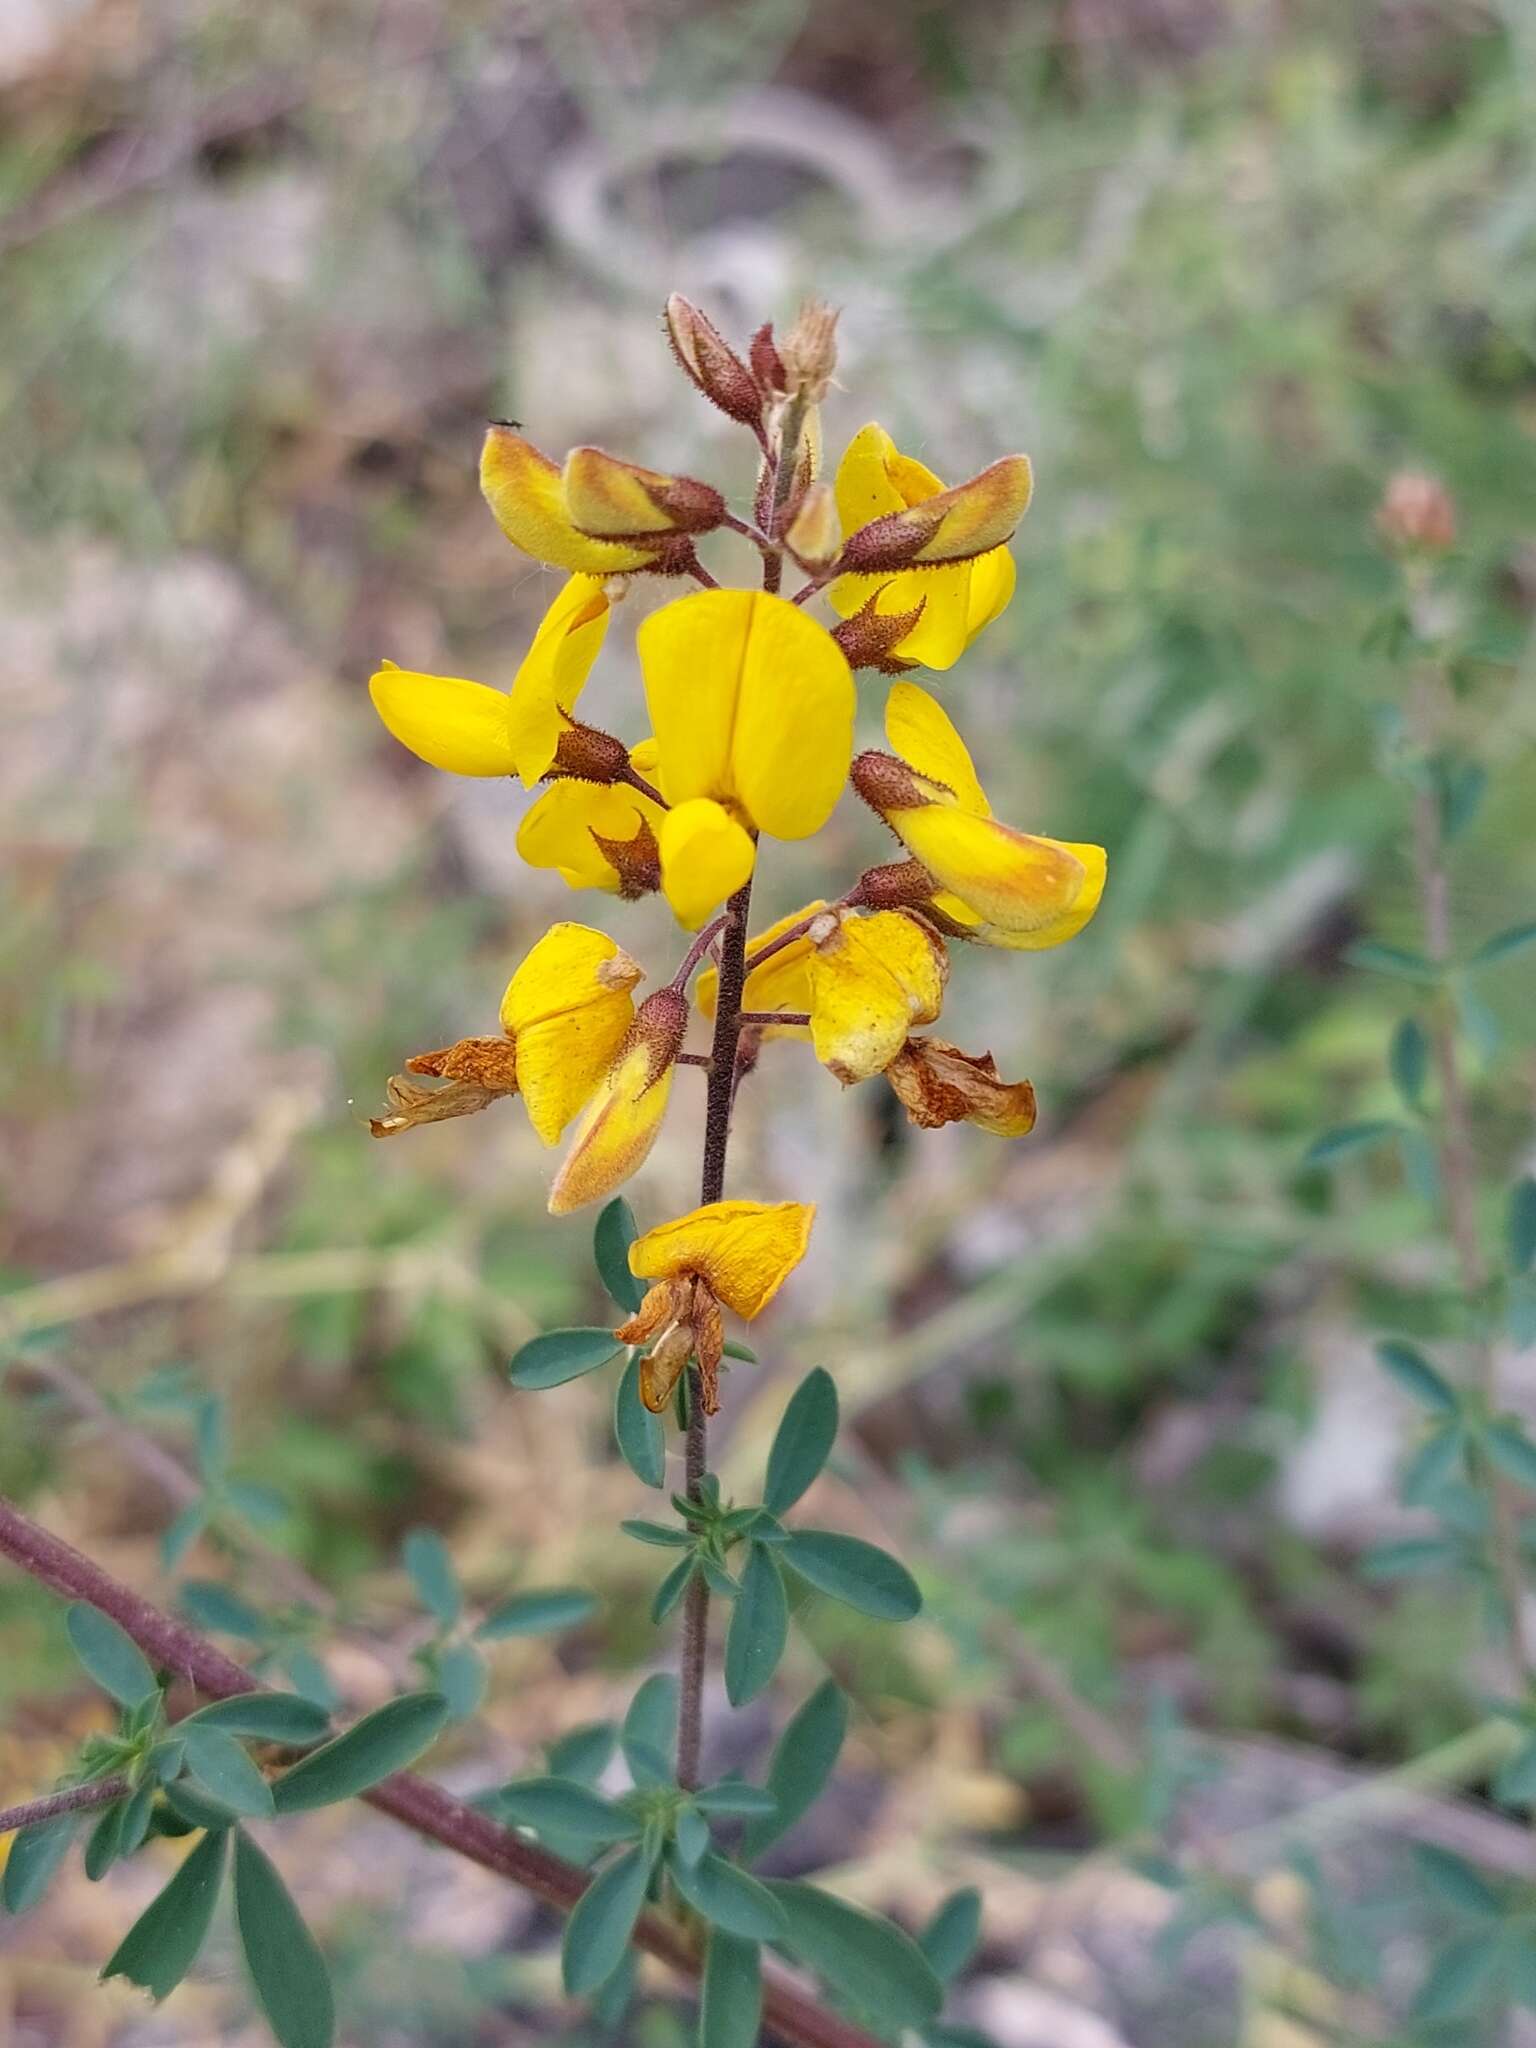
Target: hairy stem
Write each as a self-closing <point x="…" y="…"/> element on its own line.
<point x="717" y="1138"/>
<point x="73" y="1799"/>
<point x="788" y="2013"/>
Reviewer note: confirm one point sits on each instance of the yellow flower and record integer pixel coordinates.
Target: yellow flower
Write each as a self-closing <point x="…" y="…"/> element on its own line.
<point x="781" y="983"/>
<point x="1007" y="888"/>
<point x="958" y="597"/>
<point x="752" y="706"/>
<point x="596" y="835"/>
<point x="939" y="1084"/>
<point x="566" y="1011"/>
<point x="470" y="729"/>
<point x="597" y="515"/>
<point x="621" y="1120"/>
<point x="872" y="978"/>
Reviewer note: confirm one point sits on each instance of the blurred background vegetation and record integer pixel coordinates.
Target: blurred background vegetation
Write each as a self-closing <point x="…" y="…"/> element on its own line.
<point x="1222" y="267"/>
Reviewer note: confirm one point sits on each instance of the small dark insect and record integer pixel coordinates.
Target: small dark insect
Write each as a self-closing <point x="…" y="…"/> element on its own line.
<point x="515" y="425"/>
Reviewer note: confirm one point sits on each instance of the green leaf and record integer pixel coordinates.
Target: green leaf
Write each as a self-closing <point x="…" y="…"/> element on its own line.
<point x="1515" y="1784"/>
<point x="846" y="1568"/>
<point x="564" y="1806"/>
<point x="660" y="1535"/>
<point x="673" y="1587"/>
<point x="803" y="1760"/>
<point x="460" y="1675"/>
<point x="36" y="1853"/>
<point x="103" y="1842"/>
<point x="264" y="1717"/>
<point x="1457" y="1882"/>
<point x="221" y="1770"/>
<point x="1408" y="1061"/>
<point x="598" y="1931"/>
<point x="212" y="1440"/>
<point x="1460" y="786"/>
<point x="1512" y="1451"/>
<point x="1520" y="1312"/>
<point x="191" y="1807"/>
<point x="287" y="1969"/>
<point x="262" y="1505"/>
<point x="1520" y="1230"/>
<point x="871" y="1963"/>
<point x="545" y="1612"/>
<point x="803" y="1441"/>
<point x="729" y="1898"/>
<point x="432" y="1574"/>
<point x="731" y="1796"/>
<point x="616" y="1231"/>
<point x="731" y="2008"/>
<point x="649" y="1733"/>
<point x="1504" y="945"/>
<point x="1439" y="1458"/>
<point x="1345" y="1139"/>
<point x="162" y="1944"/>
<point x="138" y="1810"/>
<point x="949" y="1940"/>
<point x="1413" y="1372"/>
<point x="639" y="1434"/>
<point x="561" y="1355"/>
<point x="215" y="1607"/>
<point x="382" y="1743"/>
<point x="759" y="1627"/>
<point x="1378" y="958"/>
<point x="1411" y="1558"/>
<point x="584" y="1752"/>
<point x="1421" y="1164"/>
<point x="111" y="1658"/>
<point x="614" y="1998"/>
<point x="734" y="1348"/>
<point x="310" y="1677"/>
<point x="183" y="1530"/>
<point x="1480" y="1023"/>
<point x="1457" y="1978"/>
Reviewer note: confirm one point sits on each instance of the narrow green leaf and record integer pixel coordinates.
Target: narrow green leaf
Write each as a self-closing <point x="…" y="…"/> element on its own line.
<point x="1520" y="1311"/>
<point x="1520" y="1230"/>
<point x="310" y="1677"/>
<point x="803" y="1760"/>
<point x="564" y="1806"/>
<point x="194" y="1810"/>
<point x="382" y="1743"/>
<point x="1479" y="1021"/>
<point x="661" y="1535"/>
<point x="848" y="1569"/>
<point x="1460" y="786"/>
<point x="734" y="1348"/>
<point x="261" y="1505"/>
<point x="541" y="1613"/>
<point x="870" y="1962"/>
<point x="616" y="1231"/>
<point x="1408" y="1062"/>
<point x="1440" y="1458"/>
<point x="613" y="1999"/>
<point x="584" y="1752"/>
<point x="598" y="1930"/>
<point x="183" y="1530"/>
<point x="561" y="1355"/>
<point x="729" y="1898"/>
<point x="1413" y="1372"/>
<point x="264" y="1717"/>
<point x="138" y="1810"/>
<point x="163" y="1943"/>
<point x="1345" y="1139"/>
<point x="1411" y="1558"/>
<point x="731" y="2009"/>
<point x="221" y="1770"/>
<point x="673" y="1587"/>
<point x="215" y="1607"/>
<point x="1512" y="1451"/>
<point x="432" y="1574"/>
<point x="1421" y="1164"/>
<point x="949" y="1940"/>
<point x="732" y="1796"/>
<point x="1378" y="958"/>
<point x="1515" y="1784"/>
<point x="111" y="1658"/>
<point x="287" y="1969"/>
<point x="165" y="1760"/>
<point x="36" y="1853"/>
<point x="103" y="1842"/>
<point x="459" y="1674"/>
<point x="759" y="1628"/>
<point x="1507" y="943"/>
<point x="692" y="1835"/>
<point x="1457" y="1978"/>
<point x="212" y="1440"/>
<point x="649" y="1732"/>
<point x="639" y="1434"/>
<point x="803" y="1441"/>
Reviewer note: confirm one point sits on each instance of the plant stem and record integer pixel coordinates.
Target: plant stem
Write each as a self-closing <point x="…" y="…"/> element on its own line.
<point x="717" y="1138"/>
<point x="788" y="2013"/>
<point x="73" y="1799"/>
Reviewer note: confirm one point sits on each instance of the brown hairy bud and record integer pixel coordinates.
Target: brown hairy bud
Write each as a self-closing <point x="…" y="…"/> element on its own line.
<point x="637" y="861"/>
<point x="813" y="536"/>
<point x="590" y="755"/>
<point x="808" y="352"/>
<point x="1417" y="513"/>
<point x="660" y="1024"/>
<point x="939" y="1084"/>
<point x="712" y="365"/>
<point x="869" y="637"/>
<point x="897" y="885"/>
<point x="954" y="526"/>
<point x="609" y="499"/>
<point x="886" y="784"/>
<point x="767" y="366"/>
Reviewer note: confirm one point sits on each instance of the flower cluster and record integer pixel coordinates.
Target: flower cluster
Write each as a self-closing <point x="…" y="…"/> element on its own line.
<point x="750" y="708"/>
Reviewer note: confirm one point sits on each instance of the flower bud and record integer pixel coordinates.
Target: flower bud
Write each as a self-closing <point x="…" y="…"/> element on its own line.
<point x="939" y="1084"/>
<point x="612" y="500"/>
<point x="870" y="637"/>
<point x="1417" y="513"/>
<point x="954" y="526"/>
<point x="767" y="367"/>
<point x="808" y="353"/>
<point x="814" y="535"/>
<point x="590" y="755"/>
<point x="713" y="366"/>
<point x="887" y="784"/>
<point x="898" y="885"/>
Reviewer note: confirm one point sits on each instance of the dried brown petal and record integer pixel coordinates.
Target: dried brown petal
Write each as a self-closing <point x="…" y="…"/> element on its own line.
<point x="414" y="1105"/>
<point x="489" y="1062"/>
<point x="708" y="1344"/>
<point x="664" y="1303"/>
<point x="939" y="1084"/>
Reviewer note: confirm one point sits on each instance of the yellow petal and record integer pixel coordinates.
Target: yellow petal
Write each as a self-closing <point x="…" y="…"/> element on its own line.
<point x="606" y="497"/>
<point x="752" y="702"/>
<point x="524" y="490"/>
<point x="745" y="1251"/>
<point x="615" y="1132"/>
<point x="993" y="576"/>
<point x="871" y="979"/>
<point x="874" y="479"/>
<point x="781" y="983"/>
<point x="568" y="1008"/>
<point x="558" y="832"/>
<point x="553" y="674"/>
<point x="940" y="636"/>
<point x="979" y="514"/>
<point x="922" y="732"/>
<point x="1038" y="891"/>
<point x="705" y="857"/>
<point x="454" y="724"/>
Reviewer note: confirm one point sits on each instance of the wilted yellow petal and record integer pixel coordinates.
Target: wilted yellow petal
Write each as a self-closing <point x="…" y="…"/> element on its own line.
<point x="745" y="1251"/>
<point x="923" y="733"/>
<point x="1038" y="891"/>
<point x="939" y="1084"/>
<point x="524" y="490"/>
<point x="454" y="724"/>
<point x="871" y="979"/>
<point x="568" y="1008"/>
<point x="752" y="703"/>
<point x="615" y="1132"/>
<point x="563" y="828"/>
<point x="553" y="674"/>
<point x="705" y="857"/>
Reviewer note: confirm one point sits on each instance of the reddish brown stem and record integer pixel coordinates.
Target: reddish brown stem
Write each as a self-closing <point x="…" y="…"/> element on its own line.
<point x="73" y="1799"/>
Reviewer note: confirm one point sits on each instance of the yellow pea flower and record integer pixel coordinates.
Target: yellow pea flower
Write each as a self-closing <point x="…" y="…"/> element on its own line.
<point x="623" y="1116"/>
<point x="752" y="706"/>
<point x="939" y="1084"/>
<point x="872" y="978"/>
<point x="597" y="835"/>
<point x="1008" y="888"/>
<point x="781" y="983"/>
<point x="958" y="598"/>
<point x="738" y="1253"/>
<point x="468" y="728"/>
<point x="597" y="515"/>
